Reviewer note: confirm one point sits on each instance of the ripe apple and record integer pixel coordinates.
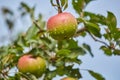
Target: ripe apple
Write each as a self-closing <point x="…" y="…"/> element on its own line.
<point x="31" y="64"/>
<point x="69" y="78"/>
<point x="62" y="26"/>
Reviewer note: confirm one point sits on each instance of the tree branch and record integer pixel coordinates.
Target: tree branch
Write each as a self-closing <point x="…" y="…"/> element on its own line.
<point x="94" y="38"/>
<point x="99" y="40"/>
<point x="80" y="31"/>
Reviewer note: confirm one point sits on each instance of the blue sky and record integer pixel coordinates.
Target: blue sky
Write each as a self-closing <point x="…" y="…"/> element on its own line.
<point x="107" y="66"/>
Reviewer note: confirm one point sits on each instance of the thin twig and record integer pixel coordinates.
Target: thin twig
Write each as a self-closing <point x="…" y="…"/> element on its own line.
<point x="85" y="29"/>
<point x="59" y="7"/>
<point x="81" y="30"/>
<point x="52" y="3"/>
<point x="36" y="24"/>
<point x="99" y="40"/>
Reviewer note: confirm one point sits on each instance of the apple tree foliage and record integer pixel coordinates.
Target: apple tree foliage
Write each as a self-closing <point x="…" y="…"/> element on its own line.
<point x="61" y="57"/>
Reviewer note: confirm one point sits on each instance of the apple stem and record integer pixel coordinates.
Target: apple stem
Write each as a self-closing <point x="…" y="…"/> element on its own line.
<point x="59" y="7"/>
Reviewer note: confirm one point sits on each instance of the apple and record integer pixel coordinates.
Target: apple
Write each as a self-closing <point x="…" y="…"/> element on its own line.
<point x="69" y="78"/>
<point x="31" y="64"/>
<point x="62" y="26"/>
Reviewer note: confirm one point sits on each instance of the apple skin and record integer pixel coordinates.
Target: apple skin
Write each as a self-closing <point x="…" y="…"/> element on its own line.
<point x="31" y="64"/>
<point x="62" y="26"/>
<point x="69" y="78"/>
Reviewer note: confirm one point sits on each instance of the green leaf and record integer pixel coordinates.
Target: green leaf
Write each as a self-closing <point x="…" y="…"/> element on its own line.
<point x="117" y="35"/>
<point x="93" y="25"/>
<point x="73" y="60"/>
<point x="75" y="48"/>
<point x="10" y="24"/>
<point x="73" y="55"/>
<point x="78" y="51"/>
<point x="63" y="2"/>
<point x="95" y="18"/>
<point x="60" y="62"/>
<point x="7" y="11"/>
<point x="93" y="28"/>
<point x="63" y="52"/>
<point x="88" y="1"/>
<point x="116" y="52"/>
<point x="32" y="32"/>
<point x="25" y="6"/>
<point x="69" y="71"/>
<point x="78" y="5"/>
<point x="4" y="50"/>
<point x="97" y="76"/>
<point x="106" y="50"/>
<point x="40" y="23"/>
<point x="111" y="21"/>
<point x="73" y="72"/>
<point x="72" y="44"/>
<point x="88" y="48"/>
<point x="20" y="41"/>
<point x="50" y="75"/>
<point x="107" y="36"/>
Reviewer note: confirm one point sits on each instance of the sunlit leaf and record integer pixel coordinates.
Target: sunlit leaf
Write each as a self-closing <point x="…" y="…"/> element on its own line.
<point x="111" y="21"/>
<point x="117" y="35"/>
<point x="75" y="48"/>
<point x="21" y="41"/>
<point x="93" y="28"/>
<point x="78" y="5"/>
<point x="32" y="32"/>
<point x="72" y="44"/>
<point x="95" y="18"/>
<point x="63" y="52"/>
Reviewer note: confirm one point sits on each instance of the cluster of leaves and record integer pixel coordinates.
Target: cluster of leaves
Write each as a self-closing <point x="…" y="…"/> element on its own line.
<point x="61" y="56"/>
<point x="102" y="29"/>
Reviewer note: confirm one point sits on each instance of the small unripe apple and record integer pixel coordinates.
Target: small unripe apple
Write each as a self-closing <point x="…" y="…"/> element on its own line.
<point x="62" y="26"/>
<point x="69" y="78"/>
<point x="31" y="64"/>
